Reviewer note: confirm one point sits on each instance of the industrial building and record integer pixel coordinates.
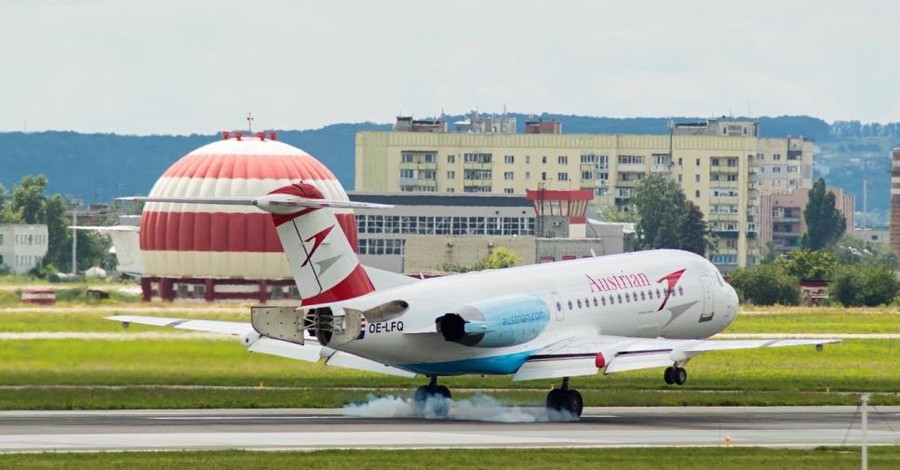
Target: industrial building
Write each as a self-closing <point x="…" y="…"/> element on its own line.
<point x="722" y="165"/>
<point x="894" y="235"/>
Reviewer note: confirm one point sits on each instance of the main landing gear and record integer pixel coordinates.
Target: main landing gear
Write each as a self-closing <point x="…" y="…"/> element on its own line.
<point x="675" y="375"/>
<point x="441" y="407"/>
<point x="564" y="399"/>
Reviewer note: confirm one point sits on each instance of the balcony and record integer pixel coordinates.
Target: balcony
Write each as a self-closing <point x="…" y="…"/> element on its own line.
<point x="628" y="183"/>
<point x="723" y="184"/>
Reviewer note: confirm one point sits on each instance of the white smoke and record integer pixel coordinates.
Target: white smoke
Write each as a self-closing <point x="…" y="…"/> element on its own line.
<point x="479" y="407"/>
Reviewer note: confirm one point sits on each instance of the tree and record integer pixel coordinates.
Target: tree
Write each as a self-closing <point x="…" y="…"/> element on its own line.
<point x="766" y="284"/>
<point x="808" y="265"/>
<point x="666" y="219"/>
<point x="824" y="224"/>
<point x="865" y="285"/>
<point x="28" y="198"/>
<point x="851" y="250"/>
<point x="499" y="258"/>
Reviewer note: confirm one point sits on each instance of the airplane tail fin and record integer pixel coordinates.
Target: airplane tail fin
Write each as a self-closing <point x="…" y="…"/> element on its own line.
<point x="324" y="264"/>
<point x="322" y="260"/>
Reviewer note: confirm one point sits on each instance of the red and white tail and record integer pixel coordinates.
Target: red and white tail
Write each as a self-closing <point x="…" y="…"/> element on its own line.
<point x="324" y="264"/>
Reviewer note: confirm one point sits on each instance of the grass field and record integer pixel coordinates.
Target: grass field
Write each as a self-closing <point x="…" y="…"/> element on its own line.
<point x="465" y="459"/>
<point x="77" y="373"/>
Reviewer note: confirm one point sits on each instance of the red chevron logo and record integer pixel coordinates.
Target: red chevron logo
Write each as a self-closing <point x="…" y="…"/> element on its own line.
<point x="316" y="240"/>
<point x="671" y="279"/>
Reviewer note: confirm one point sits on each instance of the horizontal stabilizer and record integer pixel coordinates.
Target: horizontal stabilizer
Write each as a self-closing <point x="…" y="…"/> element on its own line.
<point x="208" y="326"/>
<point x="276" y="203"/>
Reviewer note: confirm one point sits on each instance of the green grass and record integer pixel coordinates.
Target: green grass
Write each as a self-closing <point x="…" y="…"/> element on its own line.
<point x="466" y="459"/>
<point x="828" y="321"/>
<point x="774" y="376"/>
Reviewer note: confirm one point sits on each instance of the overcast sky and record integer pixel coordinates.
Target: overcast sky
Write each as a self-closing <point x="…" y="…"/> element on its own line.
<point x="198" y="66"/>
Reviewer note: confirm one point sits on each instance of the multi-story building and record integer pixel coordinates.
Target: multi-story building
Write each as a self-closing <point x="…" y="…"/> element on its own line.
<point x="894" y="230"/>
<point x="23" y="246"/>
<point x="717" y="163"/>
<point x="782" y="221"/>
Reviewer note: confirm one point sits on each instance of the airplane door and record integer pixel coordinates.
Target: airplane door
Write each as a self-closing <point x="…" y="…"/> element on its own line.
<point x="558" y="306"/>
<point x="709" y="308"/>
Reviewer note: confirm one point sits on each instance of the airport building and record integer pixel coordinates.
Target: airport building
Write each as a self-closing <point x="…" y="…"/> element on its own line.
<point x="422" y="233"/>
<point x="722" y="165"/>
<point x="22" y="246"/>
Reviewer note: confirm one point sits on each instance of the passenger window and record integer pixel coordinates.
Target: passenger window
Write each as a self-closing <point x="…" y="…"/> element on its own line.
<point x="612" y="300"/>
<point x="558" y="305"/>
<point x="579" y="303"/>
<point x="603" y="301"/>
<point x="595" y="302"/>
<point x="620" y="298"/>
<point x="570" y="305"/>
<point x="643" y="296"/>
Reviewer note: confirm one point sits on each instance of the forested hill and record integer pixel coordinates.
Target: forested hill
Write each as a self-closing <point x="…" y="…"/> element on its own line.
<point x="98" y="167"/>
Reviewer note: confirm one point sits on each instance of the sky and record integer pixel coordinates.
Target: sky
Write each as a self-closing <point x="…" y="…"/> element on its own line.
<point x="199" y="66"/>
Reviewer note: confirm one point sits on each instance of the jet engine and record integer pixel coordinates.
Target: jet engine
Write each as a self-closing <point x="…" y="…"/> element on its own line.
<point x="498" y="322"/>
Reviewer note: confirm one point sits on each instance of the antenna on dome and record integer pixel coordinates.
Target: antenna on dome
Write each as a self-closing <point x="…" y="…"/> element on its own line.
<point x="250" y="123"/>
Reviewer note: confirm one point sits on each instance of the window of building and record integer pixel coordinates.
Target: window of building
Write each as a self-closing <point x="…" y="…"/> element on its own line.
<point x="430" y="157"/>
<point x="631" y="159"/>
<point x="527" y="159"/>
<point x="451" y="190"/>
<point x="732" y="162"/>
<point x="697" y="193"/>
<point x="679" y="162"/>
<point x="562" y="176"/>
<point x="427" y="174"/>
<point x="527" y="176"/>
<point x="698" y="162"/>
<point x="406" y="157"/>
<point x="451" y="175"/>
<point x="731" y="243"/>
<point x="508" y="190"/>
<point x="562" y="160"/>
<point x="776" y="156"/>
<point x="776" y="169"/>
<point x="507" y="175"/>
<point x="510" y="159"/>
<point x="793" y="169"/>
<point x="543" y="176"/>
<point x="544" y="159"/>
<point x="731" y="177"/>
<point x="714" y="161"/>
<point x="679" y="177"/>
<point x="407" y="173"/>
<point x="696" y="178"/>
<point x="451" y="158"/>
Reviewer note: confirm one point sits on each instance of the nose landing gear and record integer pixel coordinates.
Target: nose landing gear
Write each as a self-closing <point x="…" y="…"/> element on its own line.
<point x="675" y="375"/>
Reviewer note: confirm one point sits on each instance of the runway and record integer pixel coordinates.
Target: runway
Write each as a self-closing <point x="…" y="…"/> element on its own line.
<point x="309" y="429"/>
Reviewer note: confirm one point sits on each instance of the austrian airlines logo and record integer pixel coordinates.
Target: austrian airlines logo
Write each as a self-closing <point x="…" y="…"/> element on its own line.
<point x="671" y="279"/>
<point x="316" y="240"/>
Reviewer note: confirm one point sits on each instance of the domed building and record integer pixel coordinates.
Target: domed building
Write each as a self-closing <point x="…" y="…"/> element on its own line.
<point x="222" y="251"/>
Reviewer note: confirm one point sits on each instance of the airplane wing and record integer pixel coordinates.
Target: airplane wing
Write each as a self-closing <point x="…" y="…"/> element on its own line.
<point x="310" y="351"/>
<point x="580" y="356"/>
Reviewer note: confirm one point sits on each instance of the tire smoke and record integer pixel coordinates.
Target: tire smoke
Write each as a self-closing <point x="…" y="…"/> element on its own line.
<point x="479" y="407"/>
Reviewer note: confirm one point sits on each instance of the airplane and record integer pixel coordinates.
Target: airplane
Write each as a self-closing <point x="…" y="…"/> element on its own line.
<point x="572" y="318"/>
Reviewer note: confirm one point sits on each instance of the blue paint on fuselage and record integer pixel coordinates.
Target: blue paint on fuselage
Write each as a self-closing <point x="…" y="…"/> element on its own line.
<point x="505" y="364"/>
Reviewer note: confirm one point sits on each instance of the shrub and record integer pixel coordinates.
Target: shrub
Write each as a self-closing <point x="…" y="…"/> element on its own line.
<point x="867" y="285"/>
<point x="766" y="284"/>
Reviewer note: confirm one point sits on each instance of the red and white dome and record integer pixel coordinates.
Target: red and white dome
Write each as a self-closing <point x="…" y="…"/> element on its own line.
<point x="219" y="241"/>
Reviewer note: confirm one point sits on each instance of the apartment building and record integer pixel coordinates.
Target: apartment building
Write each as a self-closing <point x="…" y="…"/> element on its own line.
<point x="718" y="164"/>
<point x="783" y="223"/>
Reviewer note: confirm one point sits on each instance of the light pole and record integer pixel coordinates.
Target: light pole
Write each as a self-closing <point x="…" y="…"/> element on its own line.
<point x="75" y="236"/>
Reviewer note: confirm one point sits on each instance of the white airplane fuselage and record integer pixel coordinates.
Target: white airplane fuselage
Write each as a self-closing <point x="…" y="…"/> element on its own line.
<point x="653" y="294"/>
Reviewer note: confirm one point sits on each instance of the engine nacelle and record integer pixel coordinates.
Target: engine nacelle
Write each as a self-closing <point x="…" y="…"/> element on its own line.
<point x="497" y="322"/>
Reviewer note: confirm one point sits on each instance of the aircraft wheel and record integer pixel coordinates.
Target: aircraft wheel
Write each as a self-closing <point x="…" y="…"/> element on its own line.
<point x="443" y="391"/>
<point x="555" y="399"/>
<point x="421" y="395"/>
<point x="679" y="376"/>
<point x="573" y="402"/>
<point x="669" y="375"/>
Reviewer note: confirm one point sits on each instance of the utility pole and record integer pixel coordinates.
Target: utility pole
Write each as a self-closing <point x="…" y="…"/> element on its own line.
<point x="864" y="401"/>
<point x="75" y="237"/>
